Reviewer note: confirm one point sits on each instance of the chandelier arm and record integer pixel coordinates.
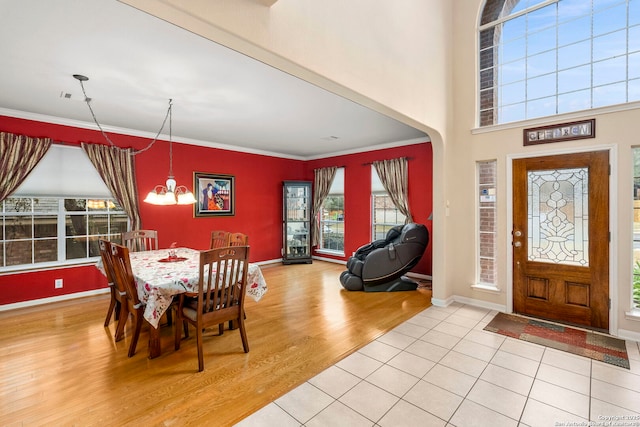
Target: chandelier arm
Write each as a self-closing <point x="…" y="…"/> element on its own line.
<point x="87" y="100"/>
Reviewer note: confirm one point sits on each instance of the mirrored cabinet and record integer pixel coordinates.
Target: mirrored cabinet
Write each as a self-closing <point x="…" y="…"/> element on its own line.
<point x="296" y="227"/>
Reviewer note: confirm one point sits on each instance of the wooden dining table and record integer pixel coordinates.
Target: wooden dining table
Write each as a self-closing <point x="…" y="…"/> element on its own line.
<point x="160" y="278"/>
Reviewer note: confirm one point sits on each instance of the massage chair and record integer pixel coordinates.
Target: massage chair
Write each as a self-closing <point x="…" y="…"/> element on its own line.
<point x="380" y="266"/>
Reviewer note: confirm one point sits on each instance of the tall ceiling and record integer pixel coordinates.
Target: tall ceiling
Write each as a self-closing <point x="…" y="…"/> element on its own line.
<point x="136" y="63"/>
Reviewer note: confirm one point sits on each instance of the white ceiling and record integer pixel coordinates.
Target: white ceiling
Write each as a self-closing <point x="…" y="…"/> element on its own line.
<point x="136" y="63"/>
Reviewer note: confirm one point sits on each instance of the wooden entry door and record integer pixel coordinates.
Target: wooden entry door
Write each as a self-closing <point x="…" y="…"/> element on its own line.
<point x="561" y="238"/>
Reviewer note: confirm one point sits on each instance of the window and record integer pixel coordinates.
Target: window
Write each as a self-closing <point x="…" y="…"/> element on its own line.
<point x="486" y="218"/>
<point x="636" y="229"/>
<point x="332" y="216"/>
<point x="58" y="213"/>
<point x="384" y="212"/>
<point x="544" y="57"/>
<point x="47" y="231"/>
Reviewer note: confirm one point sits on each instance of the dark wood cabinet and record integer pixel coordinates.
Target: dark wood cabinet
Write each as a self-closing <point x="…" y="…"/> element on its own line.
<point x="296" y="222"/>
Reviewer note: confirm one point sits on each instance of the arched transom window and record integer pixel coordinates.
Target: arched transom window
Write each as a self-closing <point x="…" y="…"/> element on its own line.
<point x="544" y="57"/>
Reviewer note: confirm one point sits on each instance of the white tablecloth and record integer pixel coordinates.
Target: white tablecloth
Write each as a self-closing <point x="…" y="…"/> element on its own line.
<point x="158" y="282"/>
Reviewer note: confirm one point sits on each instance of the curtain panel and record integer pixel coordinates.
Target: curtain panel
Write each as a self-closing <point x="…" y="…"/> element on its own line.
<point x="393" y="174"/>
<point x="19" y="154"/>
<point x="323" y="178"/>
<point x="116" y="166"/>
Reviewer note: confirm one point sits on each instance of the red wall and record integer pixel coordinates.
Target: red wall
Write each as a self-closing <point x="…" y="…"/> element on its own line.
<point x="258" y="203"/>
<point x="357" y="185"/>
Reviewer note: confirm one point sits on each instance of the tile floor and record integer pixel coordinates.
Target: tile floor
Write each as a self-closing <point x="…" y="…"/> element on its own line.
<point x="441" y="369"/>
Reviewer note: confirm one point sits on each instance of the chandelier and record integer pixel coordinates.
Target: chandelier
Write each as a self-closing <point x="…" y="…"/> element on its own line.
<point x="168" y="194"/>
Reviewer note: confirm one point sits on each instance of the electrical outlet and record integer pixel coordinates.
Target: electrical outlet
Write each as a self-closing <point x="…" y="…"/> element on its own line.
<point x="58" y="283"/>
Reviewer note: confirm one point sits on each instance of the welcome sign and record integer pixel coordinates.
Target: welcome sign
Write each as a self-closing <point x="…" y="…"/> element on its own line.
<point x="561" y="132"/>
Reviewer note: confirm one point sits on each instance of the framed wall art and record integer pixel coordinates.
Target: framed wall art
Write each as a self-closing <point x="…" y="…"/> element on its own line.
<point x="215" y="194"/>
<point x="560" y="132"/>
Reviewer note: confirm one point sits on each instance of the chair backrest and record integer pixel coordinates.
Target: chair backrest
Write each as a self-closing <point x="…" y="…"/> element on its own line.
<point x="124" y="274"/>
<point x="107" y="264"/>
<point x="219" y="239"/>
<point x="140" y="240"/>
<point x="223" y="275"/>
<point x="238" y="239"/>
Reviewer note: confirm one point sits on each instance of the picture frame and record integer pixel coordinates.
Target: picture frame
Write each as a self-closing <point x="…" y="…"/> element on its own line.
<point x="561" y="132"/>
<point x="215" y="194"/>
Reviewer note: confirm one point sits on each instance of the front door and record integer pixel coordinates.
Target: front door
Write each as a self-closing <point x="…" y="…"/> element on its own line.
<point x="561" y="238"/>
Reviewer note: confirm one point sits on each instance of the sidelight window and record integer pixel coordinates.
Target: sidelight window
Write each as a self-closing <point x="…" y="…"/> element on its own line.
<point x="636" y="229"/>
<point x="486" y="179"/>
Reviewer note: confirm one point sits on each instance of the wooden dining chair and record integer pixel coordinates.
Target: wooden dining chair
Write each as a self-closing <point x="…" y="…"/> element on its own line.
<point x="118" y="303"/>
<point x="124" y="274"/>
<point x="238" y="239"/>
<point x="220" y="296"/>
<point x="219" y="239"/>
<point x="140" y="240"/>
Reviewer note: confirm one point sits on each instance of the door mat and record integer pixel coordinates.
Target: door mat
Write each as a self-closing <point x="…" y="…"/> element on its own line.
<point x="596" y="346"/>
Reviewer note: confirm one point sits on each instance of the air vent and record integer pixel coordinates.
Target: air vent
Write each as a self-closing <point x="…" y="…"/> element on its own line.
<point x="72" y="97"/>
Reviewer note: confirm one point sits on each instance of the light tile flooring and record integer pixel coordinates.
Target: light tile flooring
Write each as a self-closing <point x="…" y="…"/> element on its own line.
<point x="441" y="368"/>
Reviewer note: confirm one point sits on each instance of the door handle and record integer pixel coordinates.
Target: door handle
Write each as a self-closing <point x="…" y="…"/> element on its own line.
<point x="517" y="244"/>
<point x="517" y="233"/>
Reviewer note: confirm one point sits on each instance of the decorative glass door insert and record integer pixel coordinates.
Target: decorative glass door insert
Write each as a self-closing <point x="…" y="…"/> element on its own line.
<point x="558" y="216"/>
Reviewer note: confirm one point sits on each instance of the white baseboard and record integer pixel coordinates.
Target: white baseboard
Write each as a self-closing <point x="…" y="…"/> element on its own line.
<point x="35" y="302"/>
<point x="482" y="304"/>
<point x="442" y="302"/>
<point x="419" y="276"/>
<point x="628" y="335"/>
<point x="333" y="260"/>
<point x="468" y="301"/>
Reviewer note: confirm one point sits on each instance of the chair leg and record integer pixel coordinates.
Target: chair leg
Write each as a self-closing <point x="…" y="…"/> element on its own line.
<point x="136" y="333"/>
<point x="176" y="331"/>
<point x="123" y="315"/>
<point x="112" y="307"/>
<point x="243" y="334"/>
<point x="200" y="350"/>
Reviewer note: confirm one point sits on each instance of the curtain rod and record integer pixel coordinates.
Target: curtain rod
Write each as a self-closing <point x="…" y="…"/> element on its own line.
<point x="343" y="166"/>
<point x="370" y="163"/>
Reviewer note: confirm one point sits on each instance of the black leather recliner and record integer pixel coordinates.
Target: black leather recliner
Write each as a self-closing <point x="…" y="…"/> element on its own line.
<point x="380" y="265"/>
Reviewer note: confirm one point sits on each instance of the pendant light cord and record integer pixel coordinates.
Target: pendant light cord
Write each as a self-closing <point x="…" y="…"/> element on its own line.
<point x="170" y="114"/>
<point x="87" y="100"/>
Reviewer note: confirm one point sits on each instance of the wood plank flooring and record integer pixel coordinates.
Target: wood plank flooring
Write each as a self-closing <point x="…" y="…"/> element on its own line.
<point x="60" y="366"/>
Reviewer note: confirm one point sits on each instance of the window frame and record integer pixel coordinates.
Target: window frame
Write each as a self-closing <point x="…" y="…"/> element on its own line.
<point x="635" y="235"/>
<point x="491" y="87"/>
<point x="333" y="229"/>
<point x="114" y="215"/>
<point x="486" y="224"/>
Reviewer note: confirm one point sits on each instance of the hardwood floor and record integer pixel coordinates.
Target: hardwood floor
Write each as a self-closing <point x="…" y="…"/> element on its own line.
<point x="60" y="366"/>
